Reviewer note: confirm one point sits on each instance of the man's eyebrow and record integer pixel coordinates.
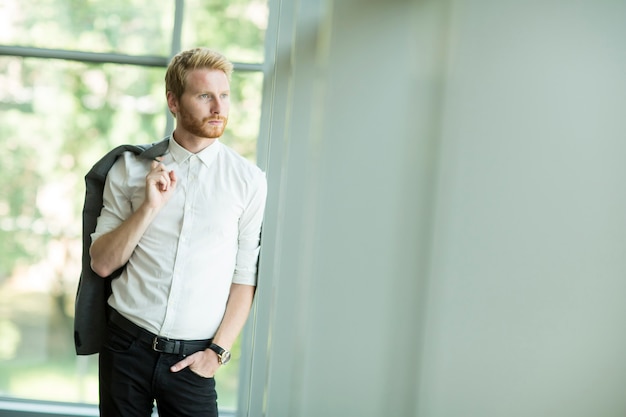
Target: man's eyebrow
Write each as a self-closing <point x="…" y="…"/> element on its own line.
<point x="211" y="92"/>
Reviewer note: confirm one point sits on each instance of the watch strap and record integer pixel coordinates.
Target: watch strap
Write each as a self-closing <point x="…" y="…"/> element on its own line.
<point x="217" y="349"/>
<point x="223" y="355"/>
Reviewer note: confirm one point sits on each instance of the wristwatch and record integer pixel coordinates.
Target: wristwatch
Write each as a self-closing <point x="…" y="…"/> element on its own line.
<point x="223" y="356"/>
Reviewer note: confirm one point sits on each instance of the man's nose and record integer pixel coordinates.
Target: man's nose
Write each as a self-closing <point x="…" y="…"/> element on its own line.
<point x="216" y="106"/>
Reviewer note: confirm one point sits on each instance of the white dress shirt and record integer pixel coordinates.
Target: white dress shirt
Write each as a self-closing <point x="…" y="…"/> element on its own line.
<point x="206" y="237"/>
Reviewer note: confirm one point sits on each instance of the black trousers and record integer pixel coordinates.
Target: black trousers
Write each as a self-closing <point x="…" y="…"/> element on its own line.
<point x="133" y="375"/>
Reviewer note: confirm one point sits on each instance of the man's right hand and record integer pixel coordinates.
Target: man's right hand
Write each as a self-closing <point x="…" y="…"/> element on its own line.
<point x="160" y="185"/>
<point x="112" y="250"/>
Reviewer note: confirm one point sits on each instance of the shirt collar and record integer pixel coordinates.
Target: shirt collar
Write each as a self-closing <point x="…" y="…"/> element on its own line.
<point x="207" y="155"/>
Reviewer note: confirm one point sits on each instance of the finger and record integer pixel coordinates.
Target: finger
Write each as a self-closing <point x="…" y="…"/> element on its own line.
<point x="158" y="165"/>
<point x="164" y="181"/>
<point x="179" y="366"/>
<point x="160" y="179"/>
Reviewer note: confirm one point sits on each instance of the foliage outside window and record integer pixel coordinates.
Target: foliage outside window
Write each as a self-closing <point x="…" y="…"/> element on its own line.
<point x="56" y="119"/>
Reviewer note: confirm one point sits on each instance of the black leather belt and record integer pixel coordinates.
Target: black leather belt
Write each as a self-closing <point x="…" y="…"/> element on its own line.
<point x="157" y="343"/>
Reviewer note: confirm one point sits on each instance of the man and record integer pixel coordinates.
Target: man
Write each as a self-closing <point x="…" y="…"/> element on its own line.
<point x="187" y="228"/>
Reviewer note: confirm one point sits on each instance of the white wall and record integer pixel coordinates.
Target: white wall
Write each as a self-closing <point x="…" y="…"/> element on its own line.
<point x="445" y="230"/>
<point x="527" y="303"/>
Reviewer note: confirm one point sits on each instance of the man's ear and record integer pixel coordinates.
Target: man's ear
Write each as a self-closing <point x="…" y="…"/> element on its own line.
<point x="172" y="102"/>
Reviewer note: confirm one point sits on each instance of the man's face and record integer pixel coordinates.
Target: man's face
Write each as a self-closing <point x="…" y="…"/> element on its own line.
<point x="203" y="108"/>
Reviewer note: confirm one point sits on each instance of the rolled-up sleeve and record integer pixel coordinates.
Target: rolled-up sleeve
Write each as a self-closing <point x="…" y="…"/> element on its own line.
<point x="249" y="241"/>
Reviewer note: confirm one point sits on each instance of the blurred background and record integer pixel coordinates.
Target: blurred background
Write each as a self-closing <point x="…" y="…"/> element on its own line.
<point x="57" y="117"/>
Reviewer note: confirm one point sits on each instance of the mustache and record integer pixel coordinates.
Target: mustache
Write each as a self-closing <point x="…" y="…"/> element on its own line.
<point x="211" y="119"/>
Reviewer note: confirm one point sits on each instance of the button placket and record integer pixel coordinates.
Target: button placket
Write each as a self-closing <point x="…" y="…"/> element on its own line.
<point x="183" y="247"/>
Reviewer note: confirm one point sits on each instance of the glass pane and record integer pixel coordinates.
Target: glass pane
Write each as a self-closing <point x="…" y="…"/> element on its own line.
<point x="56" y="119"/>
<point x="134" y="27"/>
<point x="236" y="28"/>
<point x="245" y="113"/>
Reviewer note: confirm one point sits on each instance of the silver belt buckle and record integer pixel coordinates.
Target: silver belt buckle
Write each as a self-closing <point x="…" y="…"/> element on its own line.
<point x="155" y="344"/>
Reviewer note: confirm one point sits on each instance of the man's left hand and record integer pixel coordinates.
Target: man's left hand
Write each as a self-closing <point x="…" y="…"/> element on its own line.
<point x="203" y="363"/>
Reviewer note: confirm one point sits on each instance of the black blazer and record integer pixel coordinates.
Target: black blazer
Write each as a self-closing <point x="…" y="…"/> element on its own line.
<point x="90" y="310"/>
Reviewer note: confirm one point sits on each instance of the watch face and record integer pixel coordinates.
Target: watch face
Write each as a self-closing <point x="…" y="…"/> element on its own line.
<point x="225" y="357"/>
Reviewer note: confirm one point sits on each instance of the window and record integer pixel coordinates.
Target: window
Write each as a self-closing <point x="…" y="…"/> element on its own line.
<point x="76" y="79"/>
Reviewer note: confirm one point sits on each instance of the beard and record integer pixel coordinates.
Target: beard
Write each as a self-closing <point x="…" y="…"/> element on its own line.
<point x="201" y="127"/>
